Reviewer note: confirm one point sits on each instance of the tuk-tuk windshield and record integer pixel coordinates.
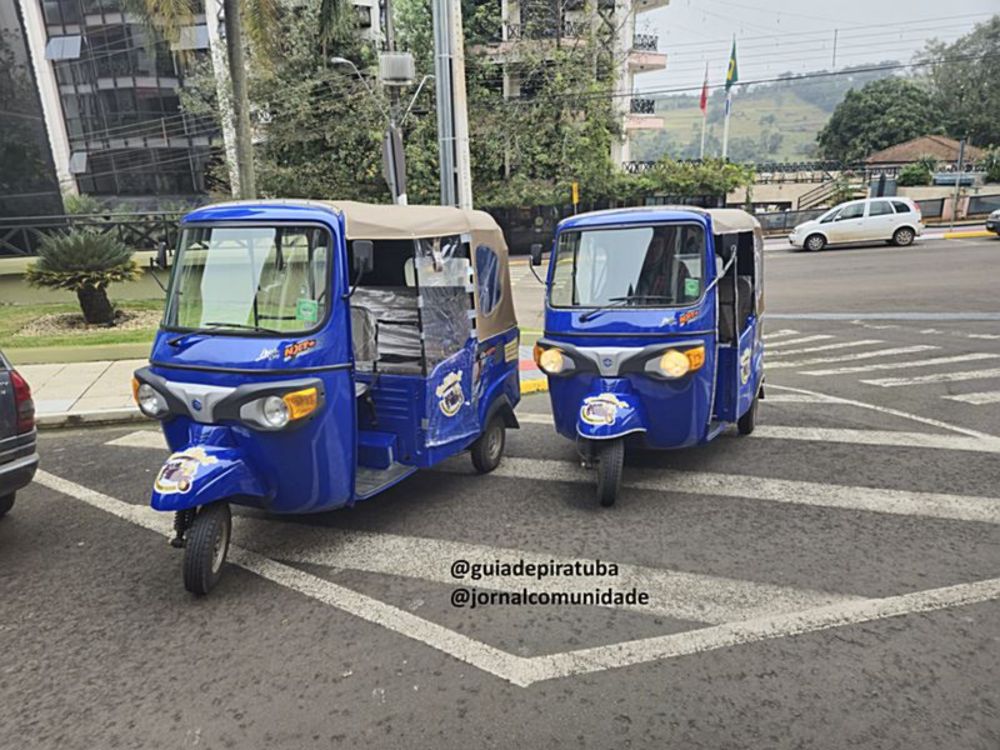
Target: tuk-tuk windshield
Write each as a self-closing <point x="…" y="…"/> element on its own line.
<point x="650" y="266"/>
<point x="252" y="278"/>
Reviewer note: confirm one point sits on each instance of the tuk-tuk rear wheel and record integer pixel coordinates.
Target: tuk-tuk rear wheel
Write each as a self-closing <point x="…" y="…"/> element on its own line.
<point x="610" y="467"/>
<point x="748" y="421"/>
<point x="206" y="548"/>
<point x="487" y="451"/>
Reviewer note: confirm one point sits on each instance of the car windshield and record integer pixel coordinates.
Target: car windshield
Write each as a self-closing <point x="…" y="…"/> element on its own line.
<point x="648" y="266"/>
<point x="250" y="279"/>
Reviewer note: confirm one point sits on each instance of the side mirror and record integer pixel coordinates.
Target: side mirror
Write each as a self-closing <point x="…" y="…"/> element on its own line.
<point x="364" y="256"/>
<point x="536" y="254"/>
<point x="161" y="256"/>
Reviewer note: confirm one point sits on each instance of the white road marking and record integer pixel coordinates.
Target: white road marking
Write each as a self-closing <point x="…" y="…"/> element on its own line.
<point x="895" y="502"/>
<point x="886" y="410"/>
<point x="827" y="347"/>
<point x="782" y="364"/>
<point x="644" y="650"/>
<point x="152" y="439"/>
<point x="524" y="671"/>
<point x="675" y="594"/>
<point x="939" y="377"/>
<point x="797" y="398"/>
<point x="973" y="357"/>
<point x="779" y="334"/>
<point x="803" y="340"/>
<point x="987" y="336"/>
<point x="978" y="399"/>
<point x="880" y="437"/>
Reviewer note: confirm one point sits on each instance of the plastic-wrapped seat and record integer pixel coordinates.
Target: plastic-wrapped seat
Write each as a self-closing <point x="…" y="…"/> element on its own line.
<point x="730" y="326"/>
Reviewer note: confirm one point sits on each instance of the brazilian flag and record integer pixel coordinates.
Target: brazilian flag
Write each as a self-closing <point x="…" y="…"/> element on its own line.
<point x="732" y="73"/>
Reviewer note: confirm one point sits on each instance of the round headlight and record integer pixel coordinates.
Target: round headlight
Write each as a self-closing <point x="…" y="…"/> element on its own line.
<point x="151" y="403"/>
<point x="275" y="412"/>
<point x="674" y="364"/>
<point x="552" y="361"/>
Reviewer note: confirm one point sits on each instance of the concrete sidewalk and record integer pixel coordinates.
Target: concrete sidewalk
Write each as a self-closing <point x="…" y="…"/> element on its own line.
<point x="83" y="393"/>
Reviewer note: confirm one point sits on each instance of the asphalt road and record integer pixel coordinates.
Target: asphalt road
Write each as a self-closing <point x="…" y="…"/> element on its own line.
<point x="831" y="581"/>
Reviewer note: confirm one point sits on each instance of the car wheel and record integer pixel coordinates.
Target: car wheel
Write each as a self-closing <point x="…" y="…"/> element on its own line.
<point x="487" y="451"/>
<point x="6" y="503"/>
<point x="206" y="548"/>
<point x="902" y="237"/>
<point x="815" y="242"/>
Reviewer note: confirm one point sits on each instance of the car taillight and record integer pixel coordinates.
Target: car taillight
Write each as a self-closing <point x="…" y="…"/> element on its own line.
<point x="23" y="403"/>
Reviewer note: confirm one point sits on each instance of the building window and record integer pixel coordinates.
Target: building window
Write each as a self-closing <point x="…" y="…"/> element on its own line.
<point x="63" y="48"/>
<point x="488" y="281"/>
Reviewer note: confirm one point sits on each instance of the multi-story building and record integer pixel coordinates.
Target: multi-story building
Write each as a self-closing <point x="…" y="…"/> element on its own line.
<point x="614" y="22"/>
<point x="109" y="86"/>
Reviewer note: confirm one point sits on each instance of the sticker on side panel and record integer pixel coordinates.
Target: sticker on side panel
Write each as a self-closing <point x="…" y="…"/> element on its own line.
<point x="745" y="357"/>
<point x="602" y="409"/>
<point x="510" y="350"/>
<point x="450" y="394"/>
<point x="299" y="347"/>
<point x="688" y="317"/>
<point x="179" y="471"/>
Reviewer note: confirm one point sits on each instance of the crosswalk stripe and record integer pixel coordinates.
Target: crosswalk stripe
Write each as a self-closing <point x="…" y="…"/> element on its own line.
<point x="782" y="364"/>
<point x="939" y="377"/>
<point x="676" y="594"/>
<point x="779" y="334"/>
<point x="976" y="356"/>
<point x="826" y="347"/>
<point x="880" y="437"/>
<point x="988" y="336"/>
<point x="141" y="439"/>
<point x="742" y="486"/>
<point x="978" y="399"/>
<point x="803" y="340"/>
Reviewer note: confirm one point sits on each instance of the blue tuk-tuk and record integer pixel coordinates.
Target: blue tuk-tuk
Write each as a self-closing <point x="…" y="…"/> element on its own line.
<point x="652" y="330"/>
<point x="313" y="354"/>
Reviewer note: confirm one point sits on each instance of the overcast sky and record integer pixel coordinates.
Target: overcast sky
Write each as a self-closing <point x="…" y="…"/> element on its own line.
<point x="776" y="36"/>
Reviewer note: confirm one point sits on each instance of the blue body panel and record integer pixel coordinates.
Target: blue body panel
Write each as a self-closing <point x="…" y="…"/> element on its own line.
<point x="665" y="413"/>
<point x="310" y="467"/>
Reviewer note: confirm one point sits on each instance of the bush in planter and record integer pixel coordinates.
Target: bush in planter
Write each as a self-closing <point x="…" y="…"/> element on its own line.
<point x="914" y="174"/>
<point x="85" y="262"/>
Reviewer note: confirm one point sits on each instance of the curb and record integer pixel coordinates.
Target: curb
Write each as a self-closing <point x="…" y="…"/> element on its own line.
<point x="968" y="235"/>
<point x="101" y="417"/>
<point x="109" y="417"/>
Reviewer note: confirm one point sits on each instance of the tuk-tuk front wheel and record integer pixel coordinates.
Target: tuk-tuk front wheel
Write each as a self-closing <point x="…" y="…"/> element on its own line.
<point x="206" y="548"/>
<point x="487" y="451"/>
<point x="610" y="466"/>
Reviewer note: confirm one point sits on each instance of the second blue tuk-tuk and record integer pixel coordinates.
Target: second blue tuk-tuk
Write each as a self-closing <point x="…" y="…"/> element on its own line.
<point x="313" y="354"/>
<point x="652" y="330"/>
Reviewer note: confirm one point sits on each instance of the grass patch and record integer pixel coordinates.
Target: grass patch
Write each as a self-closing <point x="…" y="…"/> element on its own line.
<point x="13" y="318"/>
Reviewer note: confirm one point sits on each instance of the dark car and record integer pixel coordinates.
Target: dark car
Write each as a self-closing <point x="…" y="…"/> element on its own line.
<point x="993" y="222"/>
<point x="18" y="447"/>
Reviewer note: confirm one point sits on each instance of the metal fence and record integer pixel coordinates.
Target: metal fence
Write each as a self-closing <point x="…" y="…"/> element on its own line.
<point x="932" y="208"/>
<point x="139" y="231"/>
<point x="981" y="205"/>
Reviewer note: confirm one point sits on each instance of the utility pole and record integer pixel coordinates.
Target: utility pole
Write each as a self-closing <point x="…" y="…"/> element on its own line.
<point x="452" y="113"/>
<point x="834" y="63"/>
<point x="958" y="181"/>
<point x="394" y="157"/>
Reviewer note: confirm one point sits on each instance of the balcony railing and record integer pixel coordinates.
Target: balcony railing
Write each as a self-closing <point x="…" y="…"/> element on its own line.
<point x="645" y="42"/>
<point x="639" y="106"/>
<point x="546" y="29"/>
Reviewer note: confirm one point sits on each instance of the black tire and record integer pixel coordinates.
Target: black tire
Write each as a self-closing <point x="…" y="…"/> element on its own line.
<point x="748" y="421"/>
<point x="814" y="243"/>
<point x="903" y="237"/>
<point x="6" y="503"/>
<point x="610" y="466"/>
<point x="206" y="548"/>
<point x="487" y="451"/>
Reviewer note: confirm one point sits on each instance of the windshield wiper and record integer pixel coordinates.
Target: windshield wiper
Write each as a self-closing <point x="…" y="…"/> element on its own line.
<point x="213" y="327"/>
<point x="621" y="302"/>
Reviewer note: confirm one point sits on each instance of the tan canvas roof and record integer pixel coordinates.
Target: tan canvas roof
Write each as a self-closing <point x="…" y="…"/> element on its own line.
<point x="732" y="220"/>
<point x="389" y="222"/>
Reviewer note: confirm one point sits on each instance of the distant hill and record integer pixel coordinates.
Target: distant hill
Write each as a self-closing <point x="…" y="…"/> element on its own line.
<point x="770" y="122"/>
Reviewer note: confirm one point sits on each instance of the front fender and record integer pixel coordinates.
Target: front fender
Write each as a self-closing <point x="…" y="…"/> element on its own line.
<point x="607" y="414"/>
<point x="201" y="474"/>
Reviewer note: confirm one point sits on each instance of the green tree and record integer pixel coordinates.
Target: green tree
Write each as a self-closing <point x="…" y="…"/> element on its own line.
<point x="964" y="86"/>
<point x="880" y="114"/>
<point x="85" y="262"/>
<point x="914" y="174"/>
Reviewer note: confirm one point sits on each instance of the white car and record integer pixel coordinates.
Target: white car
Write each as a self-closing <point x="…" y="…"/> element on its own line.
<point x="895" y="220"/>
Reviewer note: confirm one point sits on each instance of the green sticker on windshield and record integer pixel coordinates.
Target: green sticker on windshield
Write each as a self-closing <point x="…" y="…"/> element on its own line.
<point x="307" y="310"/>
<point x="691" y="287"/>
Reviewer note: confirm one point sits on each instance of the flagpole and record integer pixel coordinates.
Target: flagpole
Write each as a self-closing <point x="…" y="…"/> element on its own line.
<point x="725" y="125"/>
<point x="704" y="113"/>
